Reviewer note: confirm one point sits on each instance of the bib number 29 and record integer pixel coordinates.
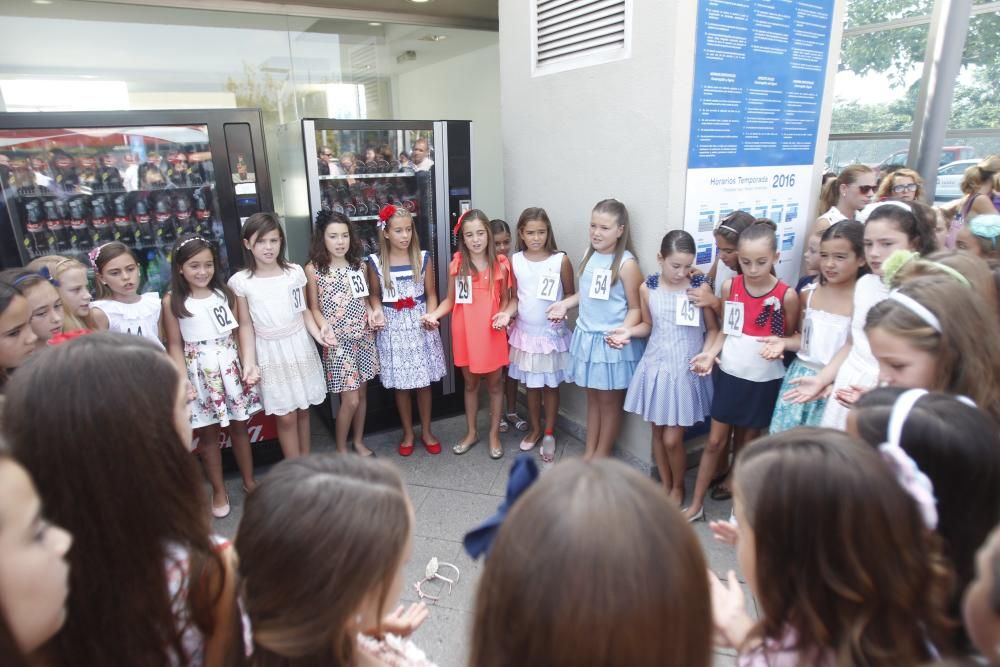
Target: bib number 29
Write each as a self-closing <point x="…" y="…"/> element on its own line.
<point x="463" y="290"/>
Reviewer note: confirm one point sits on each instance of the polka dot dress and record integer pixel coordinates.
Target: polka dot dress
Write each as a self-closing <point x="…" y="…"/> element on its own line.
<point x="353" y="360"/>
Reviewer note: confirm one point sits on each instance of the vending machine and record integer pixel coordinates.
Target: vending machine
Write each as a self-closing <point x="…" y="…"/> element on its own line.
<point x="356" y="167"/>
<point x="73" y="181"/>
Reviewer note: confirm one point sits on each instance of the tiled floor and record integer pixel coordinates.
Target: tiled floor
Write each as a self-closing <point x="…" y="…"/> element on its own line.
<point x="450" y="495"/>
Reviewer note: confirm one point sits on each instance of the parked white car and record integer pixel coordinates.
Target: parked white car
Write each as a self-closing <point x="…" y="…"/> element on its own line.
<point x="950" y="177"/>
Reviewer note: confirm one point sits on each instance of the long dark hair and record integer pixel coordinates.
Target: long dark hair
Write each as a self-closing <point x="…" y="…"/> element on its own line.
<point x="319" y="255"/>
<point x="535" y="213"/>
<point x="187" y="247"/>
<point x="318" y="537"/>
<point x="912" y="218"/>
<point x="119" y="478"/>
<point x="259" y="224"/>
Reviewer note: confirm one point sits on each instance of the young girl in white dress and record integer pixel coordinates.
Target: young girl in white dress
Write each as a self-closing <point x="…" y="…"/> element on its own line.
<point x="277" y="331"/>
<point x="119" y="306"/>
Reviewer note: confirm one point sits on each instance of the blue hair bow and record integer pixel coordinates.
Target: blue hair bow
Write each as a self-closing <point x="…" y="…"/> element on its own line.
<point x="45" y="273"/>
<point x="523" y="474"/>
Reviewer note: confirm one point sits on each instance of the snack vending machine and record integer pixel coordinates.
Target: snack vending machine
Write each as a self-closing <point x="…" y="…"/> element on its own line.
<point x="356" y="167"/>
<point x="76" y="180"/>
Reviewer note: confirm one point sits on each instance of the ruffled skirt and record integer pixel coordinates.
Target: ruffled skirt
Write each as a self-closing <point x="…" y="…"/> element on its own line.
<point x="596" y="365"/>
<point x="540" y="359"/>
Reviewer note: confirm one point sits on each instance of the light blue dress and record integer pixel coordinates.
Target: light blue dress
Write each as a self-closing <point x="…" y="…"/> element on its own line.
<point x="593" y="363"/>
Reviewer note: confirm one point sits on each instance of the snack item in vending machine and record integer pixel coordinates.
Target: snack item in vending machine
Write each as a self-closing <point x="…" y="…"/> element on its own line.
<point x="79" y="231"/>
<point x="202" y="215"/>
<point x="100" y="221"/>
<point x="55" y="223"/>
<point x="124" y="231"/>
<point x="37" y="239"/>
<point x="163" y="221"/>
<point x="155" y="263"/>
<point x="143" y="222"/>
<point x="182" y="216"/>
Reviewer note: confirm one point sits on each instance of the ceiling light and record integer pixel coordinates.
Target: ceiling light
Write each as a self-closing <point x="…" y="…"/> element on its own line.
<point x="420" y="1"/>
<point x="374" y="23"/>
<point x="42" y="2"/>
<point x="433" y="38"/>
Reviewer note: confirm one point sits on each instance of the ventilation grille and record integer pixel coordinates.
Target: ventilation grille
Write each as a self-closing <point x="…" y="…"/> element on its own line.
<point x="574" y="33"/>
<point x="364" y="71"/>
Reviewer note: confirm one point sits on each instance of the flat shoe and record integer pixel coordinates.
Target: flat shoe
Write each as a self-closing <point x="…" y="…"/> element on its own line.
<point x="369" y="455"/>
<point x="463" y="448"/>
<point x="504" y="426"/>
<point x="528" y="445"/>
<point x="720" y="493"/>
<point x="548" y="449"/>
<point x="516" y="420"/>
<point x="405" y="449"/>
<point x="222" y="511"/>
<point x="432" y="447"/>
<point x="496" y="453"/>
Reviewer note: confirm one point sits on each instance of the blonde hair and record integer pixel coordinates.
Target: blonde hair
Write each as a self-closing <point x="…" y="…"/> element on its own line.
<point x="974" y="269"/>
<point x="617" y="210"/>
<point x="465" y="262"/>
<point x="57" y="266"/>
<point x="830" y="193"/>
<point x="413" y="251"/>
<point x="885" y="187"/>
<point x="976" y="175"/>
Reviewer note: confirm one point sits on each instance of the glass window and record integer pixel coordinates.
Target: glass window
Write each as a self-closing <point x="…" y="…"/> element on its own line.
<point x="867" y="12"/>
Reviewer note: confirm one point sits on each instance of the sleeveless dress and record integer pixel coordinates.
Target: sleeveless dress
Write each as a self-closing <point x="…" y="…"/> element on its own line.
<point x="593" y="363"/>
<point x="213" y="368"/>
<point x="138" y="319"/>
<point x="353" y="361"/>
<point x="664" y="390"/>
<point x="860" y="368"/>
<point x="746" y="384"/>
<point x="291" y="377"/>
<point x="539" y="348"/>
<point x="474" y="342"/>
<point x="410" y="356"/>
<point x="823" y="334"/>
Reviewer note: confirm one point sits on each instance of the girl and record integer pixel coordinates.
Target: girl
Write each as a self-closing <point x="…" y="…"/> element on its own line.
<point x="316" y="571"/>
<point x="119" y="306"/>
<point x="539" y="347"/>
<point x="826" y="321"/>
<point x="274" y="331"/>
<point x="671" y="388"/>
<point x="978" y="185"/>
<point x="608" y="299"/>
<point x="634" y="561"/>
<point x="410" y="355"/>
<point x="199" y="321"/>
<point x="853" y="370"/>
<point x="336" y="293"/>
<point x="17" y="338"/>
<point x="903" y="184"/>
<point x="810" y="263"/>
<point x="957" y="265"/>
<point x="749" y="374"/>
<point x="981" y="606"/>
<point x="72" y="278"/>
<point x="845" y="195"/>
<point x="850" y="522"/>
<point x="34" y="575"/>
<point x="44" y="304"/>
<point x="929" y="334"/>
<point x="502" y="240"/>
<point x="149" y="583"/>
<point x="727" y="263"/>
<point x="979" y="237"/>
<point x="957" y="447"/>
<point x="479" y="292"/>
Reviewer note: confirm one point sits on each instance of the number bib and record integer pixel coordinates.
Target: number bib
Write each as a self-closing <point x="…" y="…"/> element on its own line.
<point x="359" y="286"/>
<point x="806" y="335"/>
<point x="600" y="285"/>
<point x="298" y="298"/>
<point x="222" y="318"/>
<point x="390" y="292"/>
<point x="732" y="318"/>
<point x="548" y="287"/>
<point x="686" y="313"/>
<point x="463" y="290"/>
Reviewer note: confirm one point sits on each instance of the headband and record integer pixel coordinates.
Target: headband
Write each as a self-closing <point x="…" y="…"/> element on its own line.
<point x="42" y="272"/>
<point x="986" y="226"/>
<point x="900" y="204"/>
<point x="917" y="309"/>
<point x="900" y="258"/>
<point x="729" y="228"/>
<point x="95" y="254"/>
<point x="188" y="240"/>
<point x="902" y="465"/>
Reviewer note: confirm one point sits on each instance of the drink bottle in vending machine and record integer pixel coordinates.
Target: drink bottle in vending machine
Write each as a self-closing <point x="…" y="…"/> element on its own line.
<point x="103" y="231"/>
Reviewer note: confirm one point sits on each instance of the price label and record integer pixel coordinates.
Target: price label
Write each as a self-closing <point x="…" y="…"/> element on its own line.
<point x="548" y="286"/>
<point x="600" y="285"/>
<point x="732" y="318"/>
<point x="390" y="291"/>
<point x="686" y="313"/>
<point x="298" y="298"/>
<point x="463" y="290"/>
<point x="222" y="318"/>
<point x="359" y="286"/>
<point x="806" y="335"/>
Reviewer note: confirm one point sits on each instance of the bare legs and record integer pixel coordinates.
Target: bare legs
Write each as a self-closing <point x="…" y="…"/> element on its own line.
<point x="351" y="418"/>
<point x="604" y="420"/>
<point x="495" y="388"/>
<point x="668" y="452"/>
<point x="211" y="460"/>
<point x="241" y="452"/>
<point x="718" y="437"/>
<point x="293" y="433"/>
<point x="547" y="397"/>
<point x="406" y="414"/>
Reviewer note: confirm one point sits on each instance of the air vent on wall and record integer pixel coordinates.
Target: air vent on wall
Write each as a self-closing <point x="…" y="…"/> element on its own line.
<point x="567" y="34"/>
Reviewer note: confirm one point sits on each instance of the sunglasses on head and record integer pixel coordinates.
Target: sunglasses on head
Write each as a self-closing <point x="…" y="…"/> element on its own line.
<point x="867" y="189"/>
<point x="907" y="187"/>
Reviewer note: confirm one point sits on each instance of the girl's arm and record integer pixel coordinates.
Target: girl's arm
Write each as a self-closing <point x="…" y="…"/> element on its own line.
<point x="566" y="277"/>
<point x="714" y="337"/>
<point x="571" y="298"/>
<point x="431" y="319"/>
<point x="631" y="278"/>
<point x="312" y="298"/>
<point x="775" y="346"/>
<point x="430" y="287"/>
<point x="620" y="336"/>
<point x="220" y="643"/>
<point x="508" y="301"/>
<point x="247" y="338"/>
<point x="175" y="342"/>
<point x="100" y="319"/>
<point x="376" y="316"/>
<point x="810" y="388"/>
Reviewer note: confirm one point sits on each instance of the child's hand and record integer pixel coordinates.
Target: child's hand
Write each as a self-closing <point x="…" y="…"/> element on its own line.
<point x="702" y="296"/>
<point x="729" y="612"/>
<point x="251" y="375"/>
<point x="556" y="312"/>
<point x="695" y="271"/>
<point x="724" y="532"/>
<point x="328" y="336"/>
<point x="376" y="319"/>
<point x="405" y="620"/>
<point x="774" y="347"/>
<point x="429" y="321"/>
<point x="501" y="320"/>
<point x="848" y="396"/>
<point x="191" y="393"/>
<point x="618" y="338"/>
<point x="804" y="390"/>
<point x="701" y="364"/>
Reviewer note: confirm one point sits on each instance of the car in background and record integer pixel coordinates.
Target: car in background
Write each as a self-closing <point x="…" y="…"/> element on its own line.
<point x="949" y="154"/>
<point x="949" y="178"/>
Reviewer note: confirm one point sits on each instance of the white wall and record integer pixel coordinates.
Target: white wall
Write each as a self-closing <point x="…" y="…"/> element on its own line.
<point x="614" y="130"/>
<point x="466" y="87"/>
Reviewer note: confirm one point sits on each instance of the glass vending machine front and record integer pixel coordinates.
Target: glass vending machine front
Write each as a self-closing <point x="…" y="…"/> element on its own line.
<point x="69" y="190"/>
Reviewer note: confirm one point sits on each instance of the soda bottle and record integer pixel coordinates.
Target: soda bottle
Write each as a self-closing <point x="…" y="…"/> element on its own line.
<point x="123" y="226"/>
<point x="109" y="178"/>
<point x="37" y="239"/>
<point x="99" y="219"/>
<point x="55" y="222"/>
<point x="144" y="227"/>
<point x="202" y="215"/>
<point x="163" y="222"/>
<point x="182" y="217"/>
<point x="79" y="232"/>
<point x="154" y="272"/>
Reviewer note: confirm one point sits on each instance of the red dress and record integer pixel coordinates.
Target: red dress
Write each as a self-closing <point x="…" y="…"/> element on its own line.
<point x="472" y="323"/>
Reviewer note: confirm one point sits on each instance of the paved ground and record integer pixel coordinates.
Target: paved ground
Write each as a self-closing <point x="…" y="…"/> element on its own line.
<point x="452" y="494"/>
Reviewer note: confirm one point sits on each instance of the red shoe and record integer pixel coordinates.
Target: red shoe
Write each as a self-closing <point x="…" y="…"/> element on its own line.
<point x="405" y="449"/>
<point x="432" y="447"/>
